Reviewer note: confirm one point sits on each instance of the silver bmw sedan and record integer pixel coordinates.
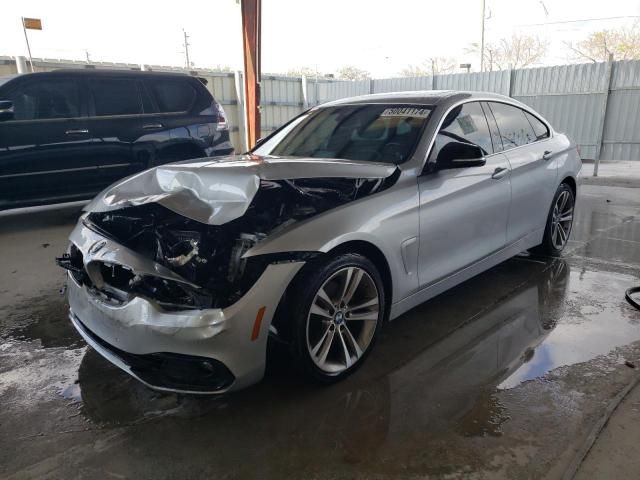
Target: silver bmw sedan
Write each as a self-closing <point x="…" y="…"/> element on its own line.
<point x="346" y="217"/>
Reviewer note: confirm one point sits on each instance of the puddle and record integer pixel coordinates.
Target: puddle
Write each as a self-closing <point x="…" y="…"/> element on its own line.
<point x="442" y="362"/>
<point x="595" y="322"/>
<point x="111" y="397"/>
<point x="43" y="319"/>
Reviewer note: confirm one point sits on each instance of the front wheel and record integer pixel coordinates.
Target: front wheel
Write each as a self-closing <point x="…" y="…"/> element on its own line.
<point x="559" y="222"/>
<point x="338" y="308"/>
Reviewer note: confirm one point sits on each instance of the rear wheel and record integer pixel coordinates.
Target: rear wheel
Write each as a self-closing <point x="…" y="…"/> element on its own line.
<point x="559" y="222"/>
<point x="338" y="309"/>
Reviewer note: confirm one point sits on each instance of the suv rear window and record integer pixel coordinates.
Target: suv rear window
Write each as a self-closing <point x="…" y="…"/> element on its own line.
<point x="113" y="96"/>
<point x="173" y="95"/>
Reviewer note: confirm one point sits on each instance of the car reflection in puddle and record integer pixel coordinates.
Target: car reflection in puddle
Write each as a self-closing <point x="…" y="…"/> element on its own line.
<point x="436" y="374"/>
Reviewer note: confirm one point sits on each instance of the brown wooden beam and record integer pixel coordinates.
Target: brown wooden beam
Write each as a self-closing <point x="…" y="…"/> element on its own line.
<point x="251" y="20"/>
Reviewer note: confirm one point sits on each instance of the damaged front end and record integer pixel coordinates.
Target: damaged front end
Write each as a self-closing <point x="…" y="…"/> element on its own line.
<point x="207" y="261"/>
<point x="152" y="277"/>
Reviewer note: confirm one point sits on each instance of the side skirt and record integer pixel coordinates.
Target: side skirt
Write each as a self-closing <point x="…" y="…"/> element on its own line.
<point x="451" y="281"/>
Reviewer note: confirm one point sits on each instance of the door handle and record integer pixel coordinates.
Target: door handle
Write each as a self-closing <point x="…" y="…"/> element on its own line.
<point x="547" y="155"/>
<point x="499" y="172"/>
<point x="152" y="126"/>
<point x="77" y="131"/>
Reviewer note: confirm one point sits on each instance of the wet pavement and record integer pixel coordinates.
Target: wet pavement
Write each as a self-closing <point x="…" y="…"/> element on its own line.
<point x="501" y="377"/>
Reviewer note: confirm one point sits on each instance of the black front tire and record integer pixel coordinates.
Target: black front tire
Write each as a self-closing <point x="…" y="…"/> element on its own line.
<point x="305" y="288"/>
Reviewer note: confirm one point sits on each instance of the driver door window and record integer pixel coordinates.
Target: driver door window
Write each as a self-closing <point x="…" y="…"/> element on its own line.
<point x="53" y="99"/>
<point x="464" y="124"/>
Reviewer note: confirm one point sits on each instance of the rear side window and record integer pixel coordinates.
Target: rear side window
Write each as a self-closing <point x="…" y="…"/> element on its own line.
<point x="113" y="96"/>
<point x="539" y="128"/>
<point x="467" y="124"/>
<point x="515" y="129"/>
<point x="53" y="98"/>
<point x="173" y="95"/>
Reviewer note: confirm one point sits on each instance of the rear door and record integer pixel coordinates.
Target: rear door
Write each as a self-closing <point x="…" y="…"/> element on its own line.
<point x="188" y="127"/>
<point x="533" y="173"/>
<point x="463" y="211"/>
<point x="122" y="126"/>
<point x="44" y="155"/>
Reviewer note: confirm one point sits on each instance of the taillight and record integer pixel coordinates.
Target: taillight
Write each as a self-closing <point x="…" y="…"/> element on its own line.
<point x="222" y="119"/>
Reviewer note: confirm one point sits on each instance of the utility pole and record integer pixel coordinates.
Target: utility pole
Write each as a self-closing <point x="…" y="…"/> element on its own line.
<point x="186" y="49"/>
<point x="482" y="38"/>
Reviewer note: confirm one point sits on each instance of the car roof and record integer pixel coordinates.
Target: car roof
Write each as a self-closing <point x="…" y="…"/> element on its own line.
<point x="107" y="73"/>
<point x="420" y="97"/>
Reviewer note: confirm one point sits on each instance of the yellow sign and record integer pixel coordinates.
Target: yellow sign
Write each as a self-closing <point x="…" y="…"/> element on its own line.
<point x="32" y="23"/>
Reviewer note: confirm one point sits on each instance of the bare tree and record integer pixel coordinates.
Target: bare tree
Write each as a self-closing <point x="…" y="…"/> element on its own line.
<point x="306" y="71"/>
<point x="518" y="51"/>
<point x="349" y="72"/>
<point x="415" y="71"/>
<point x="431" y="66"/>
<point x="623" y="44"/>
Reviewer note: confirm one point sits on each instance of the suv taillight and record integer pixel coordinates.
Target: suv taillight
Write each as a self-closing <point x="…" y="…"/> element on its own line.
<point x="222" y="119"/>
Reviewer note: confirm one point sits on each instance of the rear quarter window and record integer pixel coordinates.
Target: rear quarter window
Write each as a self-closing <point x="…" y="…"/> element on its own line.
<point x="539" y="128"/>
<point x="515" y="129"/>
<point x="173" y="95"/>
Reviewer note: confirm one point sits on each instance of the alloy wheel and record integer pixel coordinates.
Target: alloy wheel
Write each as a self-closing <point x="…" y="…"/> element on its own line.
<point x="342" y="319"/>
<point x="562" y="219"/>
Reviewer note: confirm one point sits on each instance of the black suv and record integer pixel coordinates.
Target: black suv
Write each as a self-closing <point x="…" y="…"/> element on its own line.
<point x="67" y="134"/>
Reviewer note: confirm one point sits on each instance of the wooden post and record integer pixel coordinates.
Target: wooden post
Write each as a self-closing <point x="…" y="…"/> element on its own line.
<point x="251" y="19"/>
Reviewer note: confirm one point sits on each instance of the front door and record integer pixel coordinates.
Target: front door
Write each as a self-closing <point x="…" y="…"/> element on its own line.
<point x="463" y="211"/>
<point x="43" y="148"/>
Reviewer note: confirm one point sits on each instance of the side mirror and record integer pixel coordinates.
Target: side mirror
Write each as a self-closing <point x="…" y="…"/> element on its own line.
<point x="6" y="110"/>
<point x="460" y="155"/>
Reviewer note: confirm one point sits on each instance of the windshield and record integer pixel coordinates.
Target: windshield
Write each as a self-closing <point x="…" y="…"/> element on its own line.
<point x="373" y="132"/>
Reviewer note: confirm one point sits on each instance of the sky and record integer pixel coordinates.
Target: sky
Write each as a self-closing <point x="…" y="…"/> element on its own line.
<point x="382" y="37"/>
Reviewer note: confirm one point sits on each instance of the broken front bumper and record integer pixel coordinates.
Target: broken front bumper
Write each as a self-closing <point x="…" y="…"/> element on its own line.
<point x="195" y="351"/>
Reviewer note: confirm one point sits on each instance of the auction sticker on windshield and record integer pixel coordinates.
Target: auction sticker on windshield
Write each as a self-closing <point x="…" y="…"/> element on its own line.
<point x="405" y="112"/>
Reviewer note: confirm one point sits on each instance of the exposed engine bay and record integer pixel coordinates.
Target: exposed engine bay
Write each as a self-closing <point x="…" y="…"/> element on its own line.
<point x="210" y="257"/>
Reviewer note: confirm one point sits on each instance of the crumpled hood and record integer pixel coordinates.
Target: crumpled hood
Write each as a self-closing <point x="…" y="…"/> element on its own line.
<point x="220" y="190"/>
